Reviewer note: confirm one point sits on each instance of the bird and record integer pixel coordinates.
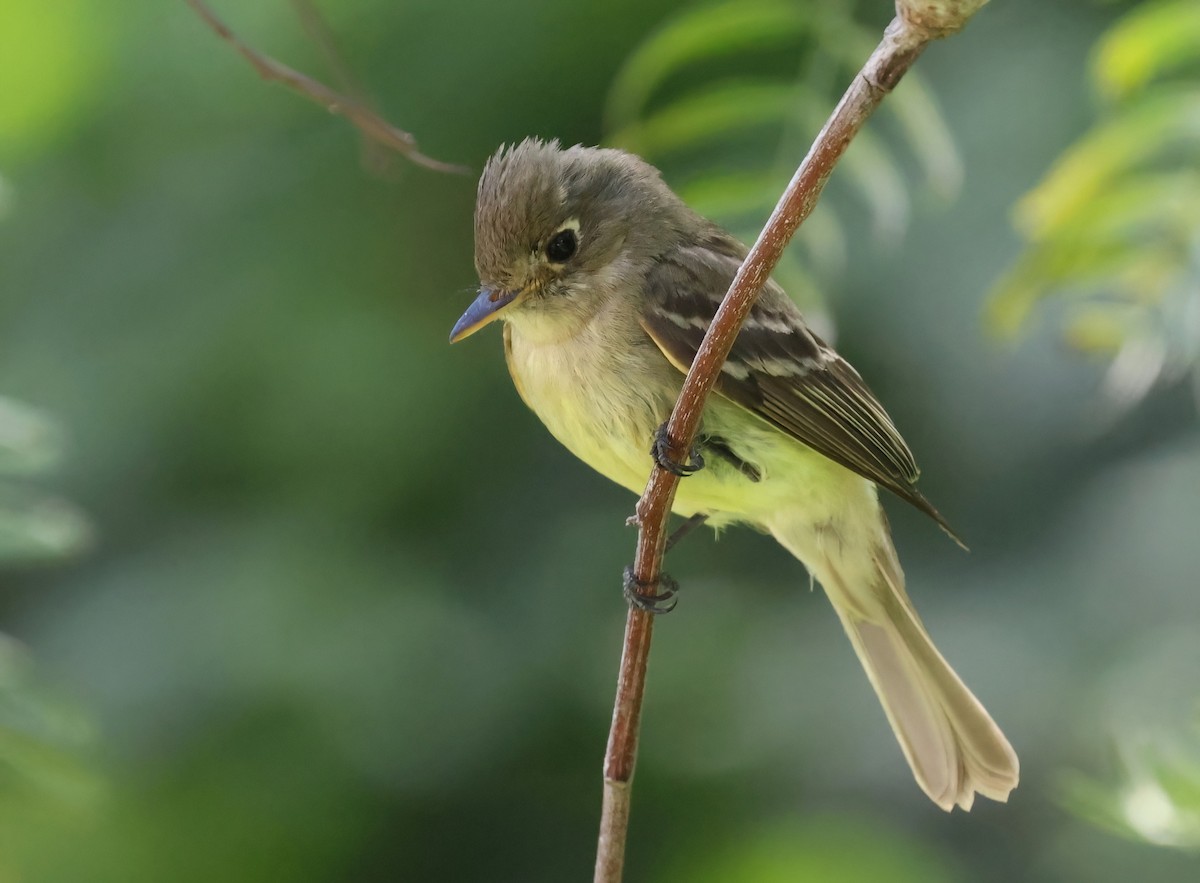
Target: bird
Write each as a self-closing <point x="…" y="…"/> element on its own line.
<point x="605" y="282"/>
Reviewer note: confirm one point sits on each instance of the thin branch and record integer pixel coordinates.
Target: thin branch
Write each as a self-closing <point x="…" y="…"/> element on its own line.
<point x="917" y="23"/>
<point x="369" y="123"/>
<point x="319" y="32"/>
<point x="374" y="156"/>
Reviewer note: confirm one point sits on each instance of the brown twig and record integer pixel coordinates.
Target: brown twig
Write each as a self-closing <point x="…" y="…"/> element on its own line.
<point x="374" y="156"/>
<point x="917" y="23"/>
<point x="363" y="118"/>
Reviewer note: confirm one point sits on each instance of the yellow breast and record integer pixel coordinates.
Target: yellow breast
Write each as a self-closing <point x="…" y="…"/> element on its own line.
<point x="580" y="390"/>
<point x="604" y="401"/>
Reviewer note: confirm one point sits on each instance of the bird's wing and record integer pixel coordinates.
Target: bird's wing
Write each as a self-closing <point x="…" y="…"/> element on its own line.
<point x="778" y="369"/>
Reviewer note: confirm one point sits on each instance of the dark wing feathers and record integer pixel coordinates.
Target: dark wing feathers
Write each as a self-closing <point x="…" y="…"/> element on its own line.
<point x="778" y="369"/>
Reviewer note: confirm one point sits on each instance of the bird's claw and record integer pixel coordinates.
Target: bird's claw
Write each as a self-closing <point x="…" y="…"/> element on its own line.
<point x="660" y="451"/>
<point x="664" y="599"/>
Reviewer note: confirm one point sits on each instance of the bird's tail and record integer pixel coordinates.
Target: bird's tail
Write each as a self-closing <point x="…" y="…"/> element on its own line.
<point x="954" y="747"/>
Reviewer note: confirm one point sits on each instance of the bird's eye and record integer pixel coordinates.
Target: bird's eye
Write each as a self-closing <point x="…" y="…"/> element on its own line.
<point x="562" y="246"/>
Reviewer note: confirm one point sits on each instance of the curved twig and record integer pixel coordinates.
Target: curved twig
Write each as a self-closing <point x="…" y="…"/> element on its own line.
<point x="363" y="118"/>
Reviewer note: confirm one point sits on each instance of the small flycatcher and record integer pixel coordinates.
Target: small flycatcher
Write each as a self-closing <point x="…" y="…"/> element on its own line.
<point x="606" y="282"/>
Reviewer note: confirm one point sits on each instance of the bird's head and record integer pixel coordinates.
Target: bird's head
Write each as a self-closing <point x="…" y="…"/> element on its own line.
<point x="553" y="225"/>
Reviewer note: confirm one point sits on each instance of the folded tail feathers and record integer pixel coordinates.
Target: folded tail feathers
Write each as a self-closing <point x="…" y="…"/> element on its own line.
<point x="954" y="747"/>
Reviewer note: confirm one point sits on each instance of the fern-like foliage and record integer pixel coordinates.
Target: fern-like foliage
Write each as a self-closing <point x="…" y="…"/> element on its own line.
<point x="34" y="525"/>
<point x="42" y="737"/>
<point x="725" y="97"/>
<point x="44" y="745"/>
<point x="1113" y="230"/>
<point x="1156" y="798"/>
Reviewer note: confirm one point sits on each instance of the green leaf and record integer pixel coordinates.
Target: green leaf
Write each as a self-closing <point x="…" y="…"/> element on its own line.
<point x="1103" y="328"/>
<point x="733" y="195"/>
<point x="1117" y="218"/>
<point x="703" y="116"/>
<point x="29" y="441"/>
<point x="1156" y="799"/>
<point x="1140" y="273"/>
<point x="697" y="35"/>
<point x="823" y="238"/>
<point x="1151" y="204"/>
<point x="792" y="274"/>
<point x="1153" y="39"/>
<point x="1133" y="239"/>
<point x="879" y="183"/>
<point x="915" y="110"/>
<point x="726" y="118"/>
<point x="867" y="163"/>
<point x="38" y="527"/>
<point x="45" y="769"/>
<point x="41" y="739"/>
<point x="1154" y="127"/>
<point x="59" y="54"/>
<point x="742" y="201"/>
<point x="731" y="108"/>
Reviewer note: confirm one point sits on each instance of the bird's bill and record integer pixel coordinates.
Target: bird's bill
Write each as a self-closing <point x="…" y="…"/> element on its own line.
<point x="486" y="308"/>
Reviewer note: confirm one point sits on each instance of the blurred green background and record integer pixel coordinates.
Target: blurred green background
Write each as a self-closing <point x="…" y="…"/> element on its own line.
<point x="296" y="591"/>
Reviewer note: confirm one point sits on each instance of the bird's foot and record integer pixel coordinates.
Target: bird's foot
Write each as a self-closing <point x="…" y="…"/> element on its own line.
<point x="638" y="593"/>
<point x="660" y="451"/>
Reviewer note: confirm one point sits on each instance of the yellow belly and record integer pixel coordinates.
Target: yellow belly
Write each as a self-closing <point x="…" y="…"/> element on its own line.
<point x="581" y="393"/>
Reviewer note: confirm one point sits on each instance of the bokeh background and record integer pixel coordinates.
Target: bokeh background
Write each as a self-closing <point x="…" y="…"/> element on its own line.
<point x="295" y="591"/>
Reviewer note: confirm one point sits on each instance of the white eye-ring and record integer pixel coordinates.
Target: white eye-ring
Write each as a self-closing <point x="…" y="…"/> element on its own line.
<point x="564" y="243"/>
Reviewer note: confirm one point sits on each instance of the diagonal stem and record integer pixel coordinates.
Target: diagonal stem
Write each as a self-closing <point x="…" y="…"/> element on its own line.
<point x="917" y="23"/>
